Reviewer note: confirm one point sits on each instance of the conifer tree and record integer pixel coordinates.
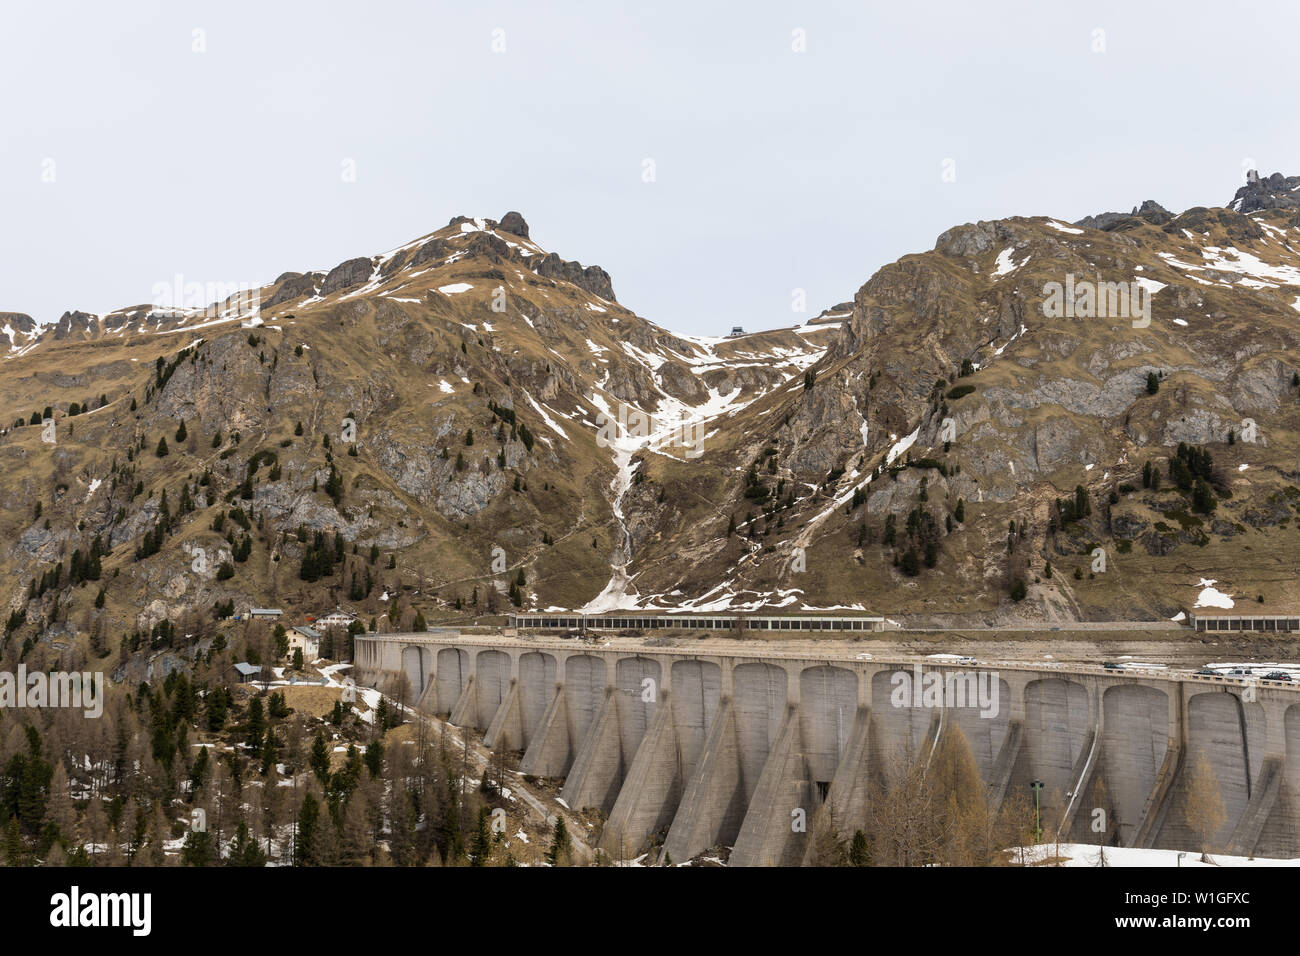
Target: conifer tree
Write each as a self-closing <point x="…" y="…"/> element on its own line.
<point x="561" y="851"/>
<point x="482" y="844"/>
<point x="320" y="758"/>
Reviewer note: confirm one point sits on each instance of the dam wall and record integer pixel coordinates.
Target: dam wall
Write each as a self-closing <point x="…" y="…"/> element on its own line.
<point x="687" y="749"/>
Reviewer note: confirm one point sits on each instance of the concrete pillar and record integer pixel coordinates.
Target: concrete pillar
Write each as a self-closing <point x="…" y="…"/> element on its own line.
<point x="651" y="788"/>
<point x="598" y="766"/>
<point x="1281" y="834"/>
<point x="999" y="784"/>
<point x="1134" y="733"/>
<point x="1263" y="799"/>
<point x="505" y="732"/>
<point x="851" y="787"/>
<point x="1086" y="790"/>
<point x="427" y="703"/>
<point x="491" y="682"/>
<point x="538" y="674"/>
<point x="1216" y="730"/>
<point x="713" y="803"/>
<point x="1059" y="730"/>
<point x="466" y="709"/>
<point x="1158" y="801"/>
<point x="548" y="752"/>
<point x="452" y="674"/>
<point x="778" y="822"/>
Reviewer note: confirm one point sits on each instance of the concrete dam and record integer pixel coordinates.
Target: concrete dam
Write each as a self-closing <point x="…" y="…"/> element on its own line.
<point x="695" y="748"/>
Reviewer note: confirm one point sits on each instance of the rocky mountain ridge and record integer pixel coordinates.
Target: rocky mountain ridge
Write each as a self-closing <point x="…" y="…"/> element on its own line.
<point x="469" y="422"/>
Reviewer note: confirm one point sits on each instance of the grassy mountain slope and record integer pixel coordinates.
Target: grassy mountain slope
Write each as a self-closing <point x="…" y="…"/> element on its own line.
<point x="879" y="457"/>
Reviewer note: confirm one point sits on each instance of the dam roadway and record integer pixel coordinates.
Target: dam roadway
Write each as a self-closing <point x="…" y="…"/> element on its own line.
<point x="699" y="745"/>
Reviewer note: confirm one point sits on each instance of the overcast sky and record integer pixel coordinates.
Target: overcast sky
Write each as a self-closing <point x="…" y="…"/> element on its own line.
<point x="774" y="168"/>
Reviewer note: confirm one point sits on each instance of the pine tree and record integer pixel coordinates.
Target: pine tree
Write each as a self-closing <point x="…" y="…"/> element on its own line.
<point x="304" y="846"/>
<point x="561" y="851"/>
<point x="13" y="843"/>
<point x="245" y="851"/>
<point x="161" y="450"/>
<point x="482" y="844"/>
<point x="197" y="850"/>
<point x="1203" y="500"/>
<point x="859" y="855"/>
<point x="374" y="757"/>
<point x="198" y="771"/>
<point x="320" y="758"/>
<point x="268" y="752"/>
<point x="256" y="723"/>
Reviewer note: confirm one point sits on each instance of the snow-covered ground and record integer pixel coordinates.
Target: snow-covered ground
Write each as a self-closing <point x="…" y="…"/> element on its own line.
<point x="1082" y="854"/>
<point x="1211" y="596"/>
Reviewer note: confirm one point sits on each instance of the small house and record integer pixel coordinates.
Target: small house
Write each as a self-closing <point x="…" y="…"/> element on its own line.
<point x="247" y="673"/>
<point x="305" y="639"/>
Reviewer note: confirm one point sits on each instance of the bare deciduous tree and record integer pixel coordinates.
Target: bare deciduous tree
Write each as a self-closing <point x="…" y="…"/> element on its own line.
<point x="1203" y="810"/>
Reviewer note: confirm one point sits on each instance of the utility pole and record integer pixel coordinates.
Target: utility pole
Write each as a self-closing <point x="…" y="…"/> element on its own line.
<point x="1037" y="787"/>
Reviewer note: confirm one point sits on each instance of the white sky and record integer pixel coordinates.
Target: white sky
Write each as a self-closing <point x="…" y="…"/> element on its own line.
<point x="775" y="170"/>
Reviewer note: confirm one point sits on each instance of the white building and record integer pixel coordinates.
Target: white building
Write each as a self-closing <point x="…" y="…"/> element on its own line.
<point x="336" y="618"/>
<point x="307" y="639"/>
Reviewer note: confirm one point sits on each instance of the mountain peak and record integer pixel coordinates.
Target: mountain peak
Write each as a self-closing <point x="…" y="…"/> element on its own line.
<point x="1272" y="192"/>
<point x="1150" y="211"/>
<point x="513" y="223"/>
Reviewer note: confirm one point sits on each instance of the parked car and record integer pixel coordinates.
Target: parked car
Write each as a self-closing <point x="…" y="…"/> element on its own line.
<point x="1277" y="675"/>
<point x="1241" y="672"/>
<point x="1113" y="666"/>
<point x="1207" y="672"/>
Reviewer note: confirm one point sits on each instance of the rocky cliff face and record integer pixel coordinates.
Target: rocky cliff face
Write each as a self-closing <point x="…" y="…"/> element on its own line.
<point x="16" y="331"/>
<point x="470" y="418"/>
<point x="1150" y="211"/>
<point x="1271" y="192"/>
